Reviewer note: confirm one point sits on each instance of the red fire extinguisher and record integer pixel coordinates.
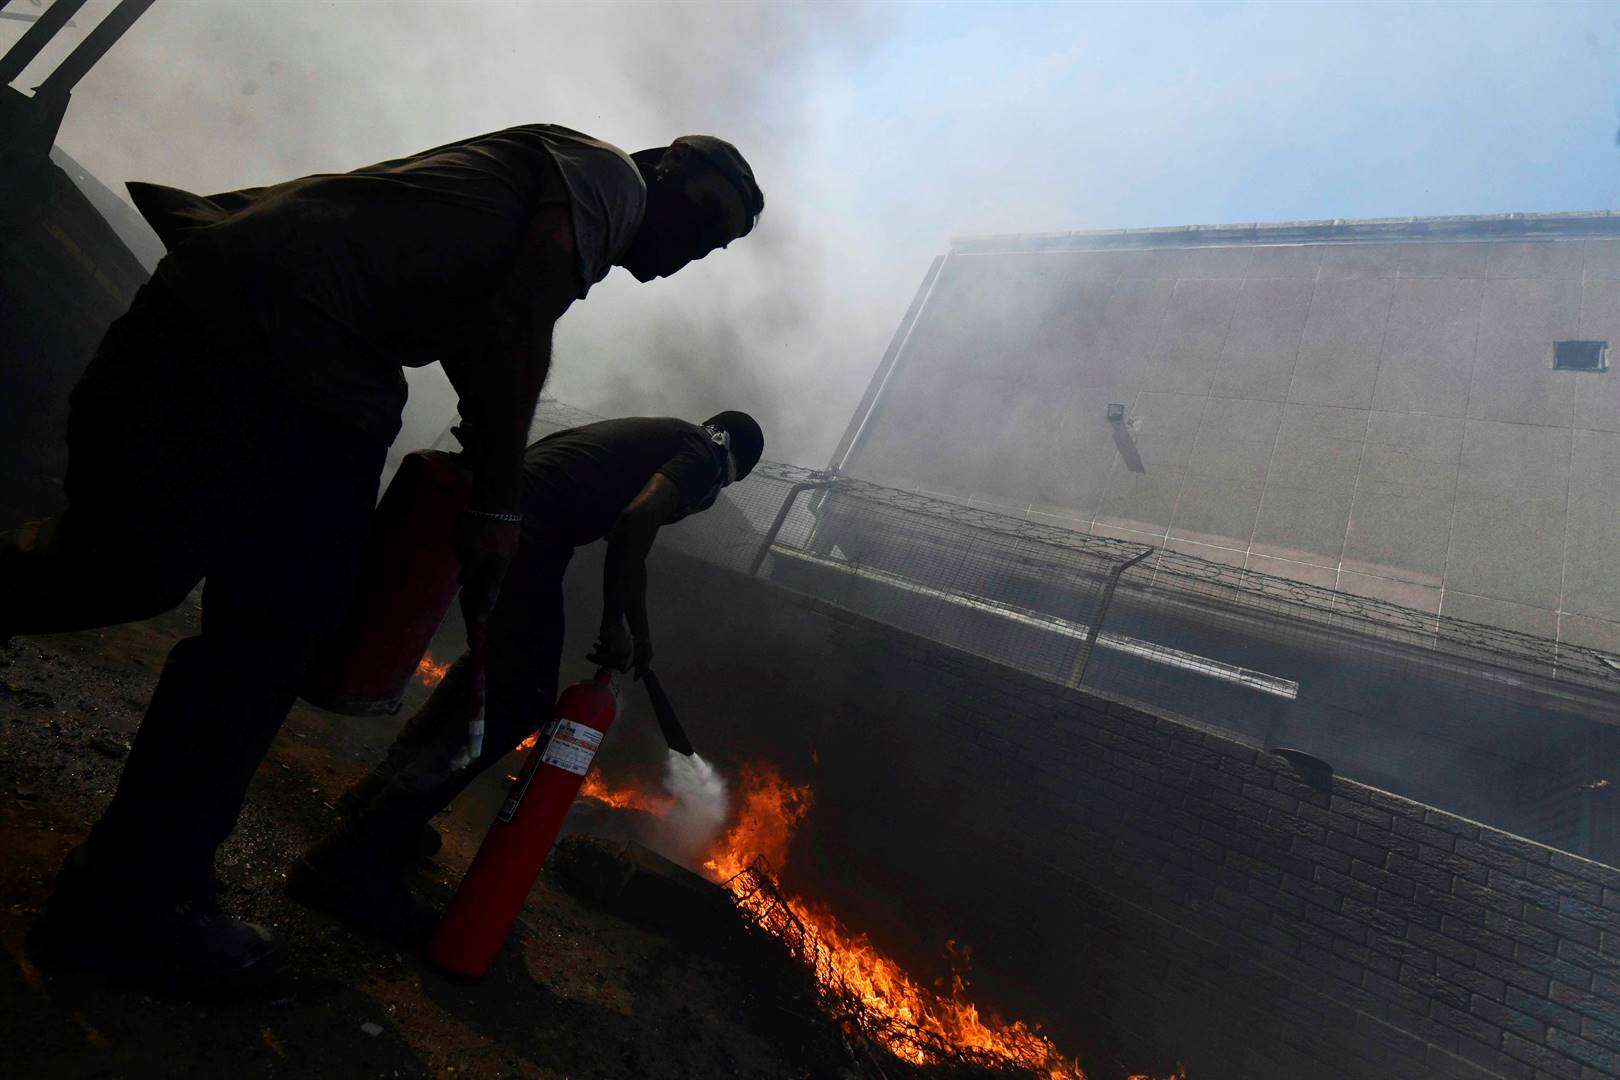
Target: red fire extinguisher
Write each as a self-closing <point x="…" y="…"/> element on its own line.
<point x="506" y="865"/>
<point x="409" y="579"/>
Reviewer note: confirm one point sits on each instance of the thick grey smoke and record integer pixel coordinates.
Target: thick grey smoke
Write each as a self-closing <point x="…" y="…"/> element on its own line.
<point x="213" y="96"/>
<point x="877" y="132"/>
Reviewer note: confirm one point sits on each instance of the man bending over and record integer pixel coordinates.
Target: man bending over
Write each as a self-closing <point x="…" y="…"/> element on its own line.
<point x="619" y="479"/>
<point x="232" y="426"/>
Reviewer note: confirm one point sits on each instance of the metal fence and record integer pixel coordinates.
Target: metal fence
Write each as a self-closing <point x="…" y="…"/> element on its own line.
<point x="1508" y="728"/>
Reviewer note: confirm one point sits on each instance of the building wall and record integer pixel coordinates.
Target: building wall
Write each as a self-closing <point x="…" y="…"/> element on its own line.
<point x="1150" y="891"/>
<point x="1378" y="417"/>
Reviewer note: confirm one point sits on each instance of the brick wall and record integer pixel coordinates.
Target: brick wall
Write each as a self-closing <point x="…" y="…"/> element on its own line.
<point x="1152" y="891"/>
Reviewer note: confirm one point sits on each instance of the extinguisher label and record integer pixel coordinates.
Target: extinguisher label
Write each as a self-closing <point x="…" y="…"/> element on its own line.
<point x="572" y="746"/>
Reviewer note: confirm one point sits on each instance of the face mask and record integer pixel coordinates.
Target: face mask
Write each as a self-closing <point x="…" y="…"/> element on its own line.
<point x="722" y="441"/>
<point x="728" y="471"/>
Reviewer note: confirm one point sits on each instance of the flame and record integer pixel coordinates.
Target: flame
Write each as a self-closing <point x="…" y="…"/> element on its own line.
<point x="770" y="811"/>
<point x="768" y="814"/>
<point x="620" y="798"/>
<point x="628" y="798"/>
<point x="430" y="672"/>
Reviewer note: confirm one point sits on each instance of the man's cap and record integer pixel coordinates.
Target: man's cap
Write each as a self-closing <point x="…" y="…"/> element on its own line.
<point x="747" y="440"/>
<point x="726" y="160"/>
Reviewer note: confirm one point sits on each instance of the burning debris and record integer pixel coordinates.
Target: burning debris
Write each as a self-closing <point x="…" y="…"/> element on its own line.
<point x="429" y="672"/>
<point x="868" y="994"/>
<point x="624" y="798"/>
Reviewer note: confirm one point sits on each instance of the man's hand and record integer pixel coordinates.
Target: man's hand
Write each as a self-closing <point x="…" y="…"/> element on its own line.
<point x="616" y="649"/>
<point x="613" y="648"/>
<point x="624" y="571"/>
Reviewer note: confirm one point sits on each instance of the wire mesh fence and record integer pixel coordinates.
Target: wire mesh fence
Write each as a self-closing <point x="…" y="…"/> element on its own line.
<point x="1509" y="728"/>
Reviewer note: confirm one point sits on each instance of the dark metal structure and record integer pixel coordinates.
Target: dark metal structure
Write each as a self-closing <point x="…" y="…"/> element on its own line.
<point x="65" y="273"/>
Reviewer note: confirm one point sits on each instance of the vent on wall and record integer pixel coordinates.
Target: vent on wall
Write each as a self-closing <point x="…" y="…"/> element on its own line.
<point x="1581" y="355"/>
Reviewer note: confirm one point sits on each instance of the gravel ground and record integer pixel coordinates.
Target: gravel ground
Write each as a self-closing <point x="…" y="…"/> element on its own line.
<point x="577" y="992"/>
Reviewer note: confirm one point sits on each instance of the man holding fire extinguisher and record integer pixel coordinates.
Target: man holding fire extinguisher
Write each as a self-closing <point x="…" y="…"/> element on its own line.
<point x="232" y="426"/>
<point x="621" y="480"/>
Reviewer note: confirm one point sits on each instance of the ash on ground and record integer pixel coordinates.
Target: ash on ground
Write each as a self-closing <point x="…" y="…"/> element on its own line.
<point x="578" y="992"/>
<point x="585" y="988"/>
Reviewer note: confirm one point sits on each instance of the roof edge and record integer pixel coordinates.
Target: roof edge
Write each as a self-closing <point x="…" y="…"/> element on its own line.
<point x="1455" y="227"/>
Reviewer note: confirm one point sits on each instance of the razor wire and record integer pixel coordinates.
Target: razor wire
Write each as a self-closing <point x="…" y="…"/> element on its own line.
<point x="1175" y="571"/>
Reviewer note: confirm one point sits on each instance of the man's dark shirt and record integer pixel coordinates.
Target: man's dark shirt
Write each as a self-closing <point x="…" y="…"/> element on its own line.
<point x="579" y="480"/>
<point x="329" y="284"/>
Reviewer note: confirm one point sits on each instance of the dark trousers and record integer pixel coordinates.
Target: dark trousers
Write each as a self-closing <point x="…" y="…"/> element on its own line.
<point x="185" y="464"/>
<point x="423" y="772"/>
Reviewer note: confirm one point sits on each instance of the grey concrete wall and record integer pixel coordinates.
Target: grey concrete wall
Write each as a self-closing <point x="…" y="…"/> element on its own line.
<point x="1378" y="417"/>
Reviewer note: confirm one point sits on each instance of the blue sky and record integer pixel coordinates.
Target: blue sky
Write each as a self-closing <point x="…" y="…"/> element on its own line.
<point x="878" y="132"/>
<point x="1092" y="116"/>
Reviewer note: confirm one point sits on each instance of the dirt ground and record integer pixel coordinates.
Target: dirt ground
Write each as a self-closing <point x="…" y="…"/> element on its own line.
<point x="577" y="992"/>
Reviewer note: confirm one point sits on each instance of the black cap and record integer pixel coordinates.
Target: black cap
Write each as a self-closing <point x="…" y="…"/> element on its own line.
<point x="725" y="159"/>
<point x="747" y="440"/>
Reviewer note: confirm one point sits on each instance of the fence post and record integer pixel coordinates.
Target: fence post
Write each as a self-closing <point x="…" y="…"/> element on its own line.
<point x="1084" y="659"/>
<point x="781" y="518"/>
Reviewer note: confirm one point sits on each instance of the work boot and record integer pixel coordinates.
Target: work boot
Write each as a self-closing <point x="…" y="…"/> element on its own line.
<point x="362" y="884"/>
<point x="182" y="943"/>
<point x="350" y="803"/>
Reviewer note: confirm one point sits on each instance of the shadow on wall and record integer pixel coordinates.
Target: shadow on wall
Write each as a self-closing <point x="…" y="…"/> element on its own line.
<point x="1125" y="443"/>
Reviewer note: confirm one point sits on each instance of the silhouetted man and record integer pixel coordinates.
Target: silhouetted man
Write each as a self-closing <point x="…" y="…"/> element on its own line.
<point x="233" y="425"/>
<point x="619" y="479"/>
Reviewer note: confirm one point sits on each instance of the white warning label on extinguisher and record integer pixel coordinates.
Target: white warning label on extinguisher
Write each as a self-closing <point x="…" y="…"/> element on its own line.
<point x="572" y="746"/>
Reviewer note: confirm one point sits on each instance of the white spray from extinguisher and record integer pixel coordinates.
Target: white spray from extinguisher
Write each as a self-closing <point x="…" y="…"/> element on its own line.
<point x="699" y="792"/>
<point x="698" y="810"/>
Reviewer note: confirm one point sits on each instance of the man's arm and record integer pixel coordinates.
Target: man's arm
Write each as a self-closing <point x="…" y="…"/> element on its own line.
<point x="624" y="575"/>
<point x="499" y="388"/>
<point x="498" y="391"/>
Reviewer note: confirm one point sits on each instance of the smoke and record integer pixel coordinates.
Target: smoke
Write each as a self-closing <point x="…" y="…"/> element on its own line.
<point x="699" y="811"/>
<point x="215" y="96"/>
<point x="877" y="131"/>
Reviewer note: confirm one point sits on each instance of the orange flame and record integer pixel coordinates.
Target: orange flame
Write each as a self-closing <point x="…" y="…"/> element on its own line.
<point x="430" y="672"/>
<point x="770" y="812"/>
<point x="627" y="798"/>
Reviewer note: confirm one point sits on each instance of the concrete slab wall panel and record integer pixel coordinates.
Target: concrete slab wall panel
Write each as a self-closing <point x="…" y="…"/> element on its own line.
<point x="1378" y="414"/>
